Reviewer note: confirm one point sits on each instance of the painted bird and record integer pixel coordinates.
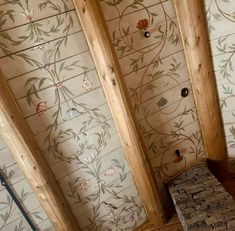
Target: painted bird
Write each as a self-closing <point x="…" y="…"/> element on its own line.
<point x="109" y="206"/>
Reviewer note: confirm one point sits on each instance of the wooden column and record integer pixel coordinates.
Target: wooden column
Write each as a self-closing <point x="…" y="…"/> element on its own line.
<point x="21" y="143"/>
<point x="193" y="30"/>
<point x="108" y="68"/>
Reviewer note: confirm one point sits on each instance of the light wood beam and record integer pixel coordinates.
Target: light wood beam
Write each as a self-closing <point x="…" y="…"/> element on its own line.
<point x="20" y="141"/>
<point x="95" y="29"/>
<point x="194" y="35"/>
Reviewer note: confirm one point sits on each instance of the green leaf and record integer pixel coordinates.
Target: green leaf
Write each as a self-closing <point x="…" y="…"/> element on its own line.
<point x="41" y="82"/>
<point x="32" y="79"/>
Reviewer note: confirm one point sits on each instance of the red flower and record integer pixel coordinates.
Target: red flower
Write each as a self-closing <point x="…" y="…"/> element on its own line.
<point x="41" y="106"/>
<point x="28" y="14"/>
<point x="178" y="156"/>
<point x="178" y="159"/>
<point x="142" y="24"/>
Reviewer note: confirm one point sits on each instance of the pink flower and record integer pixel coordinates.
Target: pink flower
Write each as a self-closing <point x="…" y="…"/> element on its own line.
<point x="142" y="24"/>
<point x="41" y="106"/>
<point x="110" y="171"/>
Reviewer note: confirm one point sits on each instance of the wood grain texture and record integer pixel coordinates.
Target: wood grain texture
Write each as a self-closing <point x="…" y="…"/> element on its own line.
<point x="110" y="75"/>
<point x="172" y="225"/>
<point x="29" y="158"/>
<point x="197" y="52"/>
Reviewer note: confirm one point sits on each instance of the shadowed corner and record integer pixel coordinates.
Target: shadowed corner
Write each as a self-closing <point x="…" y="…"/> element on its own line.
<point x="218" y="168"/>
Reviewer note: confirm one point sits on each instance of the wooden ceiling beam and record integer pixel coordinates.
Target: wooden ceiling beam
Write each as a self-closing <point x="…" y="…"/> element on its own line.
<point x="102" y="50"/>
<point x="192" y="23"/>
<point x="21" y="142"/>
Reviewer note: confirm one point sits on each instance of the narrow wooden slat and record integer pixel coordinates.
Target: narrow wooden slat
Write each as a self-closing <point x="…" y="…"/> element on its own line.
<point x="172" y="225"/>
<point x="193" y="31"/>
<point x="109" y="72"/>
<point x="20" y="141"/>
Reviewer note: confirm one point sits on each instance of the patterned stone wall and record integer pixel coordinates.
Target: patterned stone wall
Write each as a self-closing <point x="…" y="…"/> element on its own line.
<point x="201" y="201"/>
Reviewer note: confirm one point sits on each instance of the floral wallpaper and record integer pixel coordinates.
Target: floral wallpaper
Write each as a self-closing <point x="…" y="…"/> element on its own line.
<point x="46" y="62"/>
<point x="221" y="26"/>
<point x="146" y="38"/>
<point x="11" y="219"/>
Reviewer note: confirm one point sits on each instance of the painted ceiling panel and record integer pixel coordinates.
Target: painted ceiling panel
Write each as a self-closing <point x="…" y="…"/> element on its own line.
<point x="10" y="216"/>
<point x="155" y="72"/>
<point x="48" y="67"/>
<point x="221" y="26"/>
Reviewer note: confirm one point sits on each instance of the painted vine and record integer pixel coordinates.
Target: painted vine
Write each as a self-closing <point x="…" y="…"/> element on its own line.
<point x="9" y="209"/>
<point x="153" y="69"/>
<point x="120" y="211"/>
<point x="223" y="11"/>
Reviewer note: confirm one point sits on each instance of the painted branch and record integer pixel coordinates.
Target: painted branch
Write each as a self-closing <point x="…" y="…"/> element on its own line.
<point x="197" y="51"/>
<point x="21" y="143"/>
<point x="108" y="68"/>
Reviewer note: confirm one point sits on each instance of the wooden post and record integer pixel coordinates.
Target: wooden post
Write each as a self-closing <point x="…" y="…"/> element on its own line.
<point x="95" y="29"/>
<point x="193" y="30"/>
<point x="21" y="143"/>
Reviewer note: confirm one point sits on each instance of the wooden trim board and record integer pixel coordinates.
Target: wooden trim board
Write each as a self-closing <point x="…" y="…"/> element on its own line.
<point x="101" y="47"/>
<point x="190" y="14"/>
<point x="20" y="141"/>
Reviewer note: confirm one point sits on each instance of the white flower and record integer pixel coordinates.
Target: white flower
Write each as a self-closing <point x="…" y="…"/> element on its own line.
<point x="72" y="113"/>
<point x="28" y="14"/>
<point x="90" y="159"/>
<point x="37" y="45"/>
<point x="87" y="84"/>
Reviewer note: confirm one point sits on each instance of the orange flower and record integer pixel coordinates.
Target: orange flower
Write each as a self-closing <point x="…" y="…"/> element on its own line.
<point x="41" y="106"/>
<point x="142" y="24"/>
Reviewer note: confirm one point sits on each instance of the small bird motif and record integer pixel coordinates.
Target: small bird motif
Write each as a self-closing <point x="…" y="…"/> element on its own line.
<point x="109" y="206"/>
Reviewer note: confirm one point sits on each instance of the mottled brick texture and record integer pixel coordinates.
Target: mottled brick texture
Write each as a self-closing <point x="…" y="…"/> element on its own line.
<point x="201" y="201"/>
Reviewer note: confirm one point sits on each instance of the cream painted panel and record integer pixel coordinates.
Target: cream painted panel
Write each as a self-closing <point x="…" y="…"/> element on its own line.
<point x="43" y="57"/>
<point x="19" y="88"/>
<point x="21" y="36"/>
<point x="11" y="217"/>
<point x="17" y="12"/>
<point x="221" y="25"/>
<point x="155" y="72"/>
<point x="46" y="62"/>
<point x="112" y="13"/>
